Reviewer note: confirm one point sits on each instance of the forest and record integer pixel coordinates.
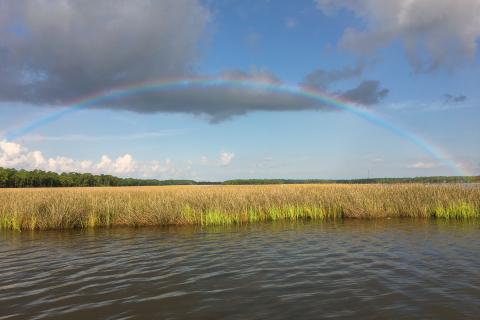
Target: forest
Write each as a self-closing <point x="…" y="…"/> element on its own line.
<point x="12" y="178"/>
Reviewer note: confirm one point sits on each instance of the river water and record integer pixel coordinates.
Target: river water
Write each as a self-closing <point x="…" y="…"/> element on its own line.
<point x="351" y="269"/>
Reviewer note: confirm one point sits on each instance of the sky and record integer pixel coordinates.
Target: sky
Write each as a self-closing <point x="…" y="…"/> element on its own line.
<point x="224" y="89"/>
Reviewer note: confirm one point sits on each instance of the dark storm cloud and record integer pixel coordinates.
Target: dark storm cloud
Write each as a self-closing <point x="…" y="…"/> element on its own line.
<point x="62" y="49"/>
<point x="221" y="102"/>
<point x="452" y="99"/>
<point x="322" y="79"/>
<point x="367" y="93"/>
<point x="52" y="52"/>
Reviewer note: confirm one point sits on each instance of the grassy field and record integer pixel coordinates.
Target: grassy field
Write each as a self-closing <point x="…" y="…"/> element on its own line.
<point x="61" y="208"/>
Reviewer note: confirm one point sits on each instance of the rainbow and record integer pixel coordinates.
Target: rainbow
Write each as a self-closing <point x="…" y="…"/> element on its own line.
<point x="314" y="95"/>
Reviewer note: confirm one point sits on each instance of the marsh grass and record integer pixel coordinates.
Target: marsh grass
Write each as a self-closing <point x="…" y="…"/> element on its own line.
<point x="30" y="209"/>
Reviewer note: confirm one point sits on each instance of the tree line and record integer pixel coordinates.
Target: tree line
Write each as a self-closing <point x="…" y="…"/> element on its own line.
<point x="12" y="178"/>
<point x="436" y="179"/>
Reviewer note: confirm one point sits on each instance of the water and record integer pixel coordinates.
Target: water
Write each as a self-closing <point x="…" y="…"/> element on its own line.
<point x="355" y="269"/>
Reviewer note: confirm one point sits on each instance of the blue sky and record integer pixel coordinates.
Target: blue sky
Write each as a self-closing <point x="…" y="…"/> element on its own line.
<point x="397" y="60"/>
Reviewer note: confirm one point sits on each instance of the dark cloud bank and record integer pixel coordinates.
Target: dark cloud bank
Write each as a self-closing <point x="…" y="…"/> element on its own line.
<point x="54" y="52"/>
<point x="453" y="99"/>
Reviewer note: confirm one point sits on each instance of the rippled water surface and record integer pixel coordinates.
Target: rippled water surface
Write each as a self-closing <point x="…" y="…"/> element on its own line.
<point x="352" y="269"/>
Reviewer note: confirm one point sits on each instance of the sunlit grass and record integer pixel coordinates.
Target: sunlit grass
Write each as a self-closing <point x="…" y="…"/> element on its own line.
<point x="461" y="210"/>
<point x="28" y="209"/>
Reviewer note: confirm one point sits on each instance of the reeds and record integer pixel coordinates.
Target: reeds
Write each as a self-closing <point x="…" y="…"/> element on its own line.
<point x="29" y="209"/>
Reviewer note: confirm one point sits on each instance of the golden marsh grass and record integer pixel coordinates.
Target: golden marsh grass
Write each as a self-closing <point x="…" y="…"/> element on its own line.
<point x="61" y="208"/>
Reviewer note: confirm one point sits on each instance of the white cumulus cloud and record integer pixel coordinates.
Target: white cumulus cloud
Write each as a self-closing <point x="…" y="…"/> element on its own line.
<point x="226" y="158"/>
<point x="223" y="159"/>
<point x="423" y="165"/>
<point x="14" y="155"/>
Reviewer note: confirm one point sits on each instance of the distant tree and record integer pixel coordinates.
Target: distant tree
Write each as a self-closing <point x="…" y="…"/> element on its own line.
<point x="11" y="178"/>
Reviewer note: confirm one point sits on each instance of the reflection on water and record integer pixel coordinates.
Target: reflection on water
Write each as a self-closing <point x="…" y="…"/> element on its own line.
<point x="350" y="269"/>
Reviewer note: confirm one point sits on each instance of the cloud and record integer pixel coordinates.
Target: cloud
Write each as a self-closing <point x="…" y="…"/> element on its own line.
<point x="69" y="48"/>
<point x="452" y="99"/>
<point x="434" y="33"/>
<point x="219" y="103"/>
<point x="224" y="159"/>
<point x="322" y="79"/>
<point x="14" y="155"/>
<point x="447" y="102"/>
<point x="367" y="93"/>
<point x="422" y="165"/>
<point x="10" y="149"/>
<point x="53" y="52"/>
<point x="122" y="165"/>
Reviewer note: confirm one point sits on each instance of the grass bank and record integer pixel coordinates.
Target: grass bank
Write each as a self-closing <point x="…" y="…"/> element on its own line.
<point x="61" y="208"/>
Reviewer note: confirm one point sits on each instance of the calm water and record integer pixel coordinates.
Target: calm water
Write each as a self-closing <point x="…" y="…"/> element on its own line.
<point x="337" y="270"/>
